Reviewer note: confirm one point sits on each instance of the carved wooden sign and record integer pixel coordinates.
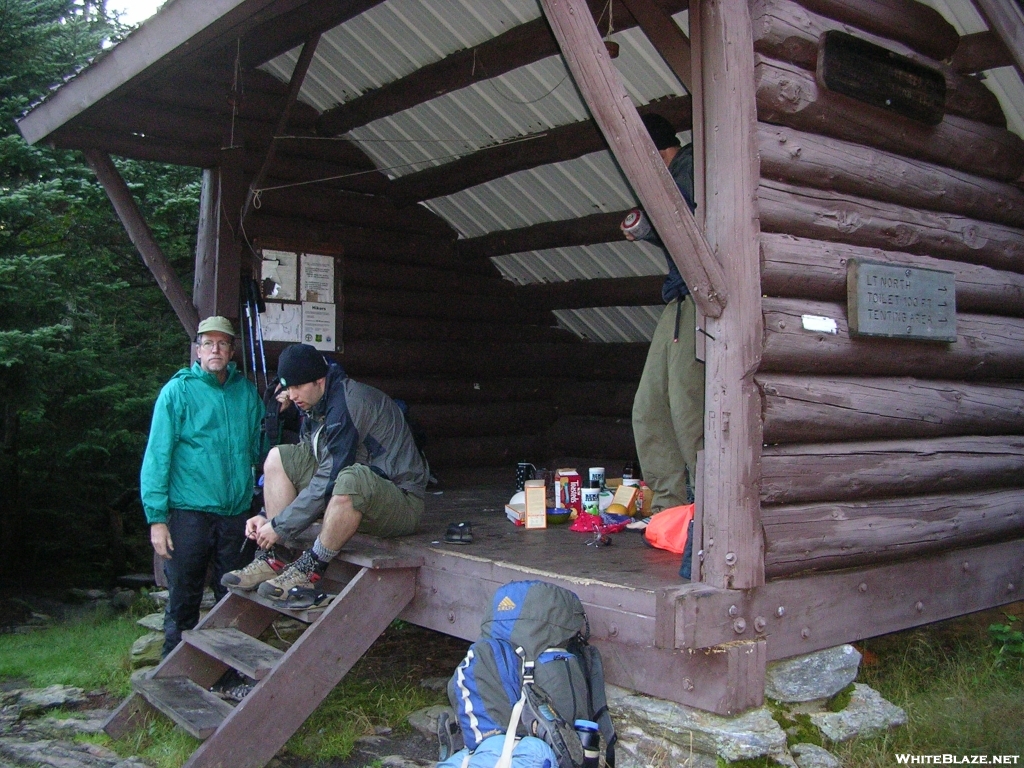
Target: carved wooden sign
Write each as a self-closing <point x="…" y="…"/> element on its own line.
<point x="900" y="302"/>
<point x="878" y="76"/>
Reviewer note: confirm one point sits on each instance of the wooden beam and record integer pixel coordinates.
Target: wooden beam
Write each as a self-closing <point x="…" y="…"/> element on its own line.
<point x="832" y="472"/>
<point x="987" y="348"/>
<point x="518" y="47"/>
<point x="556" y="145"/>
<point x="813" y="160"/>
<point x="613" y="111"/>
<point x="786" y="31"/>
<point x="912" y="23"/>
<point x="589" y="230"/>
<point x="733" y="543"/>
<point x="817" y="409"/>
<point x="389" y="357"/>
<point x="142" y="238"/>
<point x="1006" y="19"/>
<point x="138" y="147"/>
<point x="789" y="95"/>
<point x="665" y="35"/>
<point x="980" y="51"/>
<point x="805" y="614"/>
<point x="839" y="217"/>
<point x="320" y="203"/>
<point x="367" y="326"/>
<point x="799" y="268"/>
<point x="294" y="86"/>
<point x="601" y="292"/>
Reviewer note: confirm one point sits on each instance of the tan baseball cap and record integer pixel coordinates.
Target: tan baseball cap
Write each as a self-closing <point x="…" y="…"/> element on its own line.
<point x="216" y="324"/>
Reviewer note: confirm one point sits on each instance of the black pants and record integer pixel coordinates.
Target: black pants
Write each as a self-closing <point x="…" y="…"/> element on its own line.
<point x="197" y="537"/>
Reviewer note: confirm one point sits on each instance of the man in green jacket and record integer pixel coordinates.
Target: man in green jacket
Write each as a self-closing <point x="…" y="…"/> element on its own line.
<point x="197" y="474"/>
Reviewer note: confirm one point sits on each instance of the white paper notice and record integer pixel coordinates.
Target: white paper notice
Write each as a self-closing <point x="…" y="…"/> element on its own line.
<point x="318" y="323"/>
<point x="317" y="282"/>
<point x="279" y="272"/>
<point x="282" y="322"/>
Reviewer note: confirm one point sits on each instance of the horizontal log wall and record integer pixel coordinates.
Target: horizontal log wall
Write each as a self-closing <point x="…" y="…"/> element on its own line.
<point x="878" y="449"/>
<point x="986" y="347"/>
<point x="797" y="267"/>
<point x="843" y="534"/>
<point x="814" y="409"/>
<point x="889" y="468"/>
<point x="786" y="31"/>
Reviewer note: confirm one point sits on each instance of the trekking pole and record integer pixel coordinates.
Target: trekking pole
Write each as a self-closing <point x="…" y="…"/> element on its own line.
<point x="257" y="302"/>
<point x="252" y="346"/>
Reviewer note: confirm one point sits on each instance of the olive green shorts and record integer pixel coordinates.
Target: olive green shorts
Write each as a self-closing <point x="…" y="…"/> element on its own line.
<point x="387" y="510"/>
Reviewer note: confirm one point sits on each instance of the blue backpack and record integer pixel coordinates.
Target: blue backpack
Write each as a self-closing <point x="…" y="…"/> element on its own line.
<point x="534" y="650"/>
<point x="528" y="752"/>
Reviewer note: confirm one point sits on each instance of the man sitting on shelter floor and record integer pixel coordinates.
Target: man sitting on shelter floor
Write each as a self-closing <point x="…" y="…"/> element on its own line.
<point x="356" y="464"/>
<point x="668" y="409"/>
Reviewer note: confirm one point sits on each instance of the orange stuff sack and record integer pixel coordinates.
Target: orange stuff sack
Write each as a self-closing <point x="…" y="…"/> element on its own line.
<point x="667" y="529"/>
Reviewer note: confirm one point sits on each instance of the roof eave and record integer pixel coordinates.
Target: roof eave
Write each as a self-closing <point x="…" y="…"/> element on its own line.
<point x="181" y="28"/>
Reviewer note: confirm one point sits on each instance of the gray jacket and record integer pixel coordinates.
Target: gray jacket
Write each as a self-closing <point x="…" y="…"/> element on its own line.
<point x="352" y="424"/>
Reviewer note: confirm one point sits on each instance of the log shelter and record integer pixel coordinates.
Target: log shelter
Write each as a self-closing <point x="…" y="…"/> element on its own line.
<point x="467" y="163"/>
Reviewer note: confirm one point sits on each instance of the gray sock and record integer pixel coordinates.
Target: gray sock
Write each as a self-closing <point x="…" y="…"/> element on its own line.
<point x="322" y="553"/>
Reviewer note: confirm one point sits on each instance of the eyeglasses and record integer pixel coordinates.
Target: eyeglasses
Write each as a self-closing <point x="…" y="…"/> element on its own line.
<point x="225" y="345"/>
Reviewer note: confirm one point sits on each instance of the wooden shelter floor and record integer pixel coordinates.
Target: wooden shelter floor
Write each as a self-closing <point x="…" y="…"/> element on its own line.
<point x="479" y="498"/>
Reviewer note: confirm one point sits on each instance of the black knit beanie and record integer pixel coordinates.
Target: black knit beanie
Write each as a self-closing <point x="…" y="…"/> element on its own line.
<point x="300" y="364"/>
<point x="662" y="133"/>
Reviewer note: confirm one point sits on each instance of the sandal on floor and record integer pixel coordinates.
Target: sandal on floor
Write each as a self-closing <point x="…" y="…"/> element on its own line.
<point x="459" y="533"/>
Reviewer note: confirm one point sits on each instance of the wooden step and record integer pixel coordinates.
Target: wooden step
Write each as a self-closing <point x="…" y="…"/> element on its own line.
<point x="236" y="649"/>
<point x="193" y="708"/>
<point x="306" y="616"/>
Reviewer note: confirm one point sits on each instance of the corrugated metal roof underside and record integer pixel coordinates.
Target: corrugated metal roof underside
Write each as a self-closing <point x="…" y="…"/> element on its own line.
<point x="398" y="37"/>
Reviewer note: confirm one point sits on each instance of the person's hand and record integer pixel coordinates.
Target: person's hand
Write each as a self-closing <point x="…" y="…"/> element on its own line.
<point x="266" y="536"/>
<point x="627" y="235"/>
<point x="281" y="395"/>
<point x="160" y="536"/>
<point x="252" y="525"/>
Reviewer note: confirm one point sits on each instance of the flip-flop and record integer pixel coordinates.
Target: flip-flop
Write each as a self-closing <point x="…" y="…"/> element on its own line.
<point x="459" y="533"/>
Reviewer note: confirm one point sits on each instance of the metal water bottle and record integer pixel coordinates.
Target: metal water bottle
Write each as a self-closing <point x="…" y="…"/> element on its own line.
<point x="590" y="736"/>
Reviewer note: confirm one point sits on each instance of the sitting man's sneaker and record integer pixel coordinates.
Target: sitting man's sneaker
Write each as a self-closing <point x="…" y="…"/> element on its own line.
<point x="640" y="524"/>
<point x="265" y="566"/>
<point x="304" y="572"/>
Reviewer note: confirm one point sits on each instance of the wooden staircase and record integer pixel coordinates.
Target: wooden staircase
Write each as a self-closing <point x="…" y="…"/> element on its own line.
<point x="372" y="589"/>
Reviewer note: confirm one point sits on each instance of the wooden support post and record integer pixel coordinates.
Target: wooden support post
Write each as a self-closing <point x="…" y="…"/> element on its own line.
<point x="732" y="539"/>
<point x="666" y="37"/>
<point x="615" y="114"/>
<point x="142" y="237"/>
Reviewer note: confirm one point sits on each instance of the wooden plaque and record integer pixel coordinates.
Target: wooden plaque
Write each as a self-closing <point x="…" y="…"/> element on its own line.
<point x="878" y="76"/>
<point x="900" y="302"/>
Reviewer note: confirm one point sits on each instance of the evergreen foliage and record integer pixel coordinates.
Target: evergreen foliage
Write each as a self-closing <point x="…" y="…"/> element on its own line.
<point x="86" y="337"/>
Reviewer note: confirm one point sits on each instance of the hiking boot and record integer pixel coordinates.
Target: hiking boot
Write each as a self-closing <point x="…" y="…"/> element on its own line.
<point x="304" y="572"/>
<point x="265" y="566"/>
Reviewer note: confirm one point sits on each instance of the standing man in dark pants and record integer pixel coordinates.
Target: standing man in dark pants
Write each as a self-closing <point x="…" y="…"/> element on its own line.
<point x="668" y="410"/>
<point x="197" y="474"/>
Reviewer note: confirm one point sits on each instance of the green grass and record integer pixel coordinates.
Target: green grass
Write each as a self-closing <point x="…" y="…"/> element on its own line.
<point x="356" y="708"/>
<point x="89" y="653"/>
<point x="960" y="695"/>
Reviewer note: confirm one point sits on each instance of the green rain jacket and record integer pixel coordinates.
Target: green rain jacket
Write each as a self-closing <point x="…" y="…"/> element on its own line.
<point x="203" y="443"/>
